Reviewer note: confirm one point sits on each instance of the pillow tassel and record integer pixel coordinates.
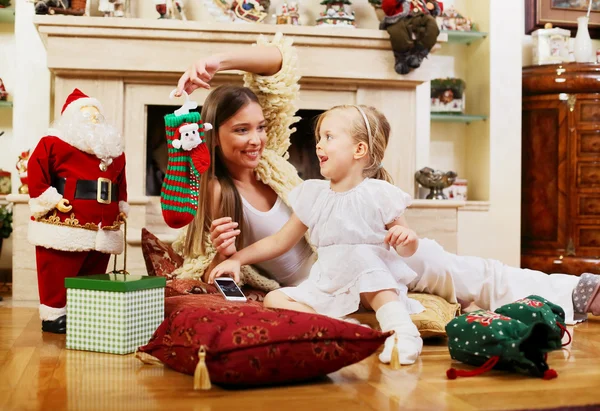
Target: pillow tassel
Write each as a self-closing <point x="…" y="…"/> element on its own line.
<point x="201" y="376"/>
<point x="395" y="360"/>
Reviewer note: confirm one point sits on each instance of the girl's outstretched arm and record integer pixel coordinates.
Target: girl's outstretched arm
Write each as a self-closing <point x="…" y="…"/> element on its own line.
<point x="263" y="250"/>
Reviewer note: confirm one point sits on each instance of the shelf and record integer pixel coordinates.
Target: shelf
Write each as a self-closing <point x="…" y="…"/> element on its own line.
<point x="6" y="104"/>
<point x="461" y="37"/>
<point x="7" y="15"/>
<point x="456" y="118"/>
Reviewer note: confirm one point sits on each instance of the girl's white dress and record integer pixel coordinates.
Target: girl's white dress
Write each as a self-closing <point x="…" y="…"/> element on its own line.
<point x="348" y="230"/>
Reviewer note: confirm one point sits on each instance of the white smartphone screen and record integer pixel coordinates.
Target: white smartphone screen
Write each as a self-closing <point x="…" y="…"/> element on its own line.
<point x="229" y="288"/>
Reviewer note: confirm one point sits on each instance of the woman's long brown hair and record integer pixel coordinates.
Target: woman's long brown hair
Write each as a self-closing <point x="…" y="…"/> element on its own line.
<point x="220" y="105"/>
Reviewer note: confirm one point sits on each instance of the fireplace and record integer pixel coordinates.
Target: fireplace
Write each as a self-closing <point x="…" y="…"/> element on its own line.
<point x="115" y="60"/>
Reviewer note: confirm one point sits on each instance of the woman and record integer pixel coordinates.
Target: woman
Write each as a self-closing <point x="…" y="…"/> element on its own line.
<point x="244" y="196"/>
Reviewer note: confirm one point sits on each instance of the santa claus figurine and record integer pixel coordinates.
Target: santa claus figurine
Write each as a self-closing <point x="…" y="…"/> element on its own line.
<point x="78" y="200"/>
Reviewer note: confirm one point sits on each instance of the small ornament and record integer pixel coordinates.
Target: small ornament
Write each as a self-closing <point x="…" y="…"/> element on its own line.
<point x="448" y="95"/>
<point x="3" y="92"/>
<point x="288" y="14"/>
<point x="337" y="14"/>
<point x="114" y="8"/>
<point x="170" y="9"/>
<point x="5" y="183"/>
<point x="250" y="11"/>
<point x="452" y="20"/>
<point x="22" y="169"/>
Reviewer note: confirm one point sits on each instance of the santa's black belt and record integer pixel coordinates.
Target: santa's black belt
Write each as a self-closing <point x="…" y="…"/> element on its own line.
<point x="101" y="190"/>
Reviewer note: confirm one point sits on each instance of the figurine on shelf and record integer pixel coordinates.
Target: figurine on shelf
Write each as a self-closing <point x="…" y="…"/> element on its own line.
<point x="453" y="20"/>
<point x="337" y="14"/>
<point x="48" y="6"/>
<point x="5" y="183"/>
<point x="250" y="11"/>
<point x="3" y="92"/>
<point x="448" y="95"/>
<point x="114" y="8"/>
<point x="170" y="9"/>
<point x="66" y="7"/>
<point x="413" y="30"/>
<point x="288" y="14"/>
<point x="78" y="202"/>
<point x="22" y="170"/>
<point x="221" y="10"/>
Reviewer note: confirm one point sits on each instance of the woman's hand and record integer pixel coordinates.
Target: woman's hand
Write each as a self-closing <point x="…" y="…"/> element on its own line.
<point x="198" y="75"/>
<point x="223" y="233"/>
<point x="231" y="266"/>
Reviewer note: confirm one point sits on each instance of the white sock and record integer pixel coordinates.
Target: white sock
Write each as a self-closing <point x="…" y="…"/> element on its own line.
<point x="393" y="316"/>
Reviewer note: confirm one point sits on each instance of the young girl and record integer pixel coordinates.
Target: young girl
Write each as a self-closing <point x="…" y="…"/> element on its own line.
<point x="353" y="220"/>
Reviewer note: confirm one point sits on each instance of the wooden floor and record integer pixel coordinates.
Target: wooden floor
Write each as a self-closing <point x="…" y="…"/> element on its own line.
<point x="38" y="373"/>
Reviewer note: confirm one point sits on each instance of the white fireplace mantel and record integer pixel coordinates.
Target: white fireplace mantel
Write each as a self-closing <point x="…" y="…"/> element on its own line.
<point x="130" y="64"/>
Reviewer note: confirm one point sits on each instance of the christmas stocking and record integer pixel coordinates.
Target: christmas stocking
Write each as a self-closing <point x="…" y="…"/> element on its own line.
<point x="491" y="340"/>
<point x="188" y="159"/>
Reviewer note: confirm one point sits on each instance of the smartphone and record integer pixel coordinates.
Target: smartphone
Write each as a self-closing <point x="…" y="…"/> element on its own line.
<point x="229" y="289"/>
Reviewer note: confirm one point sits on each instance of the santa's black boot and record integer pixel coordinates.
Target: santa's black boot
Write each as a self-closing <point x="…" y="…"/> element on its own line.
<point x="413" y="61"/>
<point x="58" y="326"/>
<point x="401" y="66"/>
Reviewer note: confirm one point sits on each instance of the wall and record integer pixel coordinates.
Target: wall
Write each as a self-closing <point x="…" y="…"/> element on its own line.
<point x="496" y="234"/>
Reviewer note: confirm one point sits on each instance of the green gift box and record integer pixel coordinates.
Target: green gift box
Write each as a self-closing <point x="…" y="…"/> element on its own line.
<point x="113" y="313"/>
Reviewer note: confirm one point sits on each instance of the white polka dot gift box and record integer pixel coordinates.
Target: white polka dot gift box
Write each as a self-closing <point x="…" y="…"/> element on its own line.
<point x="516" y="337"/>
<point x="113" y="313"/>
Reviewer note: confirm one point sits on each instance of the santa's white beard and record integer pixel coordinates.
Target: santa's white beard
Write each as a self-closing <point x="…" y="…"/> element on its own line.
<point x="101" y="139"/>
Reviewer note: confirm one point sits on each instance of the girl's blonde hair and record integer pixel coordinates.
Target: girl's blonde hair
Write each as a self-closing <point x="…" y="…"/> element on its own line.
<point x="368" y="126"/>
<point x="220" y="105"/>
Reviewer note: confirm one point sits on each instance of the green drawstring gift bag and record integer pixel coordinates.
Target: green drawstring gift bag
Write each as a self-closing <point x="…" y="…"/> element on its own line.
<point x="535" y="309"/>
<point x="491" y="340"/>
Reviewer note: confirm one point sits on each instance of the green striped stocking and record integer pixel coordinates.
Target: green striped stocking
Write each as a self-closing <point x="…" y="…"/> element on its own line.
<point x="188" y="159"/>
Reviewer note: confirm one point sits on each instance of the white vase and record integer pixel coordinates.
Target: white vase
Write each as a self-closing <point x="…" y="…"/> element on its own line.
<point x="583" y="48"/>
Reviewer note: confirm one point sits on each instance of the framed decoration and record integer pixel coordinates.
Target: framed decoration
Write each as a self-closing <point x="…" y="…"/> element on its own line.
<point x="561" y="13"/>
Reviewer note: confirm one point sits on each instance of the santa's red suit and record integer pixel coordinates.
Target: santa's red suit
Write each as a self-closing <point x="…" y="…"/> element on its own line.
<point x="81" y="240"/>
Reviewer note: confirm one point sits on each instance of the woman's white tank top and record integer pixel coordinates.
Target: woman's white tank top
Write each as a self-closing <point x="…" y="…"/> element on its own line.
<point x="290" y="268"/>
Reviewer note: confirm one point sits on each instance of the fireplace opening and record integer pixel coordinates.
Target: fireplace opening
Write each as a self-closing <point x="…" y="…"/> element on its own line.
<point x="302" y="149"/>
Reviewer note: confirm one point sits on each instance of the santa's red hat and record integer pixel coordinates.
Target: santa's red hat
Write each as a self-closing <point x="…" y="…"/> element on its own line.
<point x="76" y="100"/>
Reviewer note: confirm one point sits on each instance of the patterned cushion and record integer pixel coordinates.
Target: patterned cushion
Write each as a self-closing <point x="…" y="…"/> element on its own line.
<point x="159" y="257"/>
<point x="161" y="261"/>
<point x="248" y="345"/>
<point x="438" y="312"/>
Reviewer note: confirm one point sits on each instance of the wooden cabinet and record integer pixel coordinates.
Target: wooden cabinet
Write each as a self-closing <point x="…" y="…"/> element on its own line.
<point x="560" y="191"/>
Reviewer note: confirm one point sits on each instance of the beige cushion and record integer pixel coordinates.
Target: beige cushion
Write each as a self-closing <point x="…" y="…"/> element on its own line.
<point x="438" y="312"/>
<point x="431" y="322"/>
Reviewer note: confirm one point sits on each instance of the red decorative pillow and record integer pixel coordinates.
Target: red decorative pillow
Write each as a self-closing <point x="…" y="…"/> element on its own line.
<point x="248" y="345"/>
<point x="159" y="257"/>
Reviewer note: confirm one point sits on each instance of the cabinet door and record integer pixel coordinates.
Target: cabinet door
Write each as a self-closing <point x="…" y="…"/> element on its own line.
<point x="544" y="180"/>
<point x="585" y="179"/>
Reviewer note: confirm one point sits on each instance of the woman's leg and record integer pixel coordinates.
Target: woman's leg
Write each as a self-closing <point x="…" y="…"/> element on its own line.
<point x="278" y="299"/>
<point x="486" y="282"/>
<point x="392" y="315"/>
